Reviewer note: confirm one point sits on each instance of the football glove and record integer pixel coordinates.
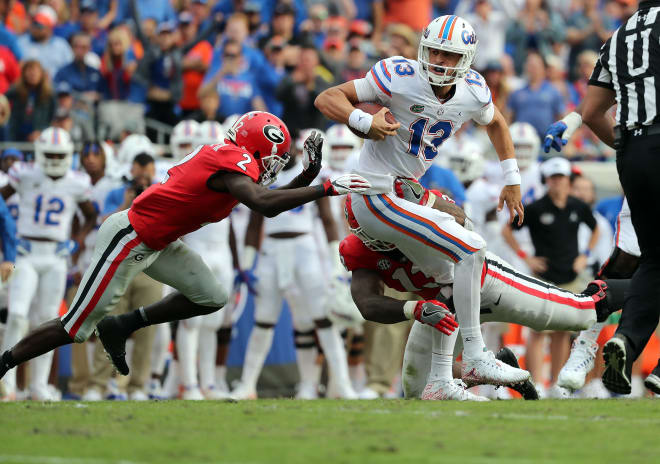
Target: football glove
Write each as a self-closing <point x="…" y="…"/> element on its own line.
<point x="561" y="131"/>
<point x="312" y="155"/>
<point x="346" y="183"/>
<point x="435" y="314"/>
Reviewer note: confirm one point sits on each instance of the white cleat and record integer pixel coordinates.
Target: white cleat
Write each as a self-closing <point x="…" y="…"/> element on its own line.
<point x="155" y="390"/>
<point x="243" y="392"/>
<point x="368" y="394"/>
<point x="213" y="393"/>
<point x="138" y="395"/>
<point x="443" y="390"/>
<point x="491" y="371"/>
<point x="558" y="392"/>
<point x="43" y="394"/>
<point x="595" y="390"/>
<point x="341" y="391"/>
<point x="192" y="393"/>
<point x="92" y="394"/>
<point x="307" y="391"/>
<point x="578" y="365"/>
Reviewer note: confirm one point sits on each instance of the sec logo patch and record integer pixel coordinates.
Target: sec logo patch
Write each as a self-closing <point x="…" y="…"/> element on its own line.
<point x="384" y="264"/>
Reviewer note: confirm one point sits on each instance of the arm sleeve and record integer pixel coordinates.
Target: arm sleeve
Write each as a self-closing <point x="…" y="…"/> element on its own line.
<point x="601" y="75"/>
<point x="7" y="233"/>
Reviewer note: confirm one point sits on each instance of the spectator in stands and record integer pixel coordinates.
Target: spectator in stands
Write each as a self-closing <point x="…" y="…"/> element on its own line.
<point x="40" y="44"/>
<point x="237" y="87"/>
<point x="118" y="65"/>
<point x="236" y="30"/>
<point x="491" y="29"/>
<point x="7" y="36"/>
<point x="402" y="41"/>
<point x="586" y="61"/>
<point x="284" y="21"/>
<point x="373" y="12"/>
<point x="272" y="72"/>
<point x="209" y="102"/>
<point x="536" y="28"/>
<point x="356" y="65"/>
<point x="195" y="63"/>
<point x="415" y="14"/>
<point x="16" y="17"/>
<point x="9" y="69"/>
<point x="298" y="91"/>
<point x="32" y="103"/>
<point x="557" y="76"/>
<point x="493" y="73"/>
<point x="83" y="79"/>
<point x="539" y="103"/>
<point x="155" y="11"/>
<point x="95" y="27"/>
<point x="66" y="24"/>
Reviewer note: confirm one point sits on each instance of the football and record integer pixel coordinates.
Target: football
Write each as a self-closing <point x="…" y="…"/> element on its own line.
<point x="371" y="108"/>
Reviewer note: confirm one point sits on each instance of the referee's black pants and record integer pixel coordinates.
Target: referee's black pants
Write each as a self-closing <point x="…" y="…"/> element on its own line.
<point x="638" y="164"/>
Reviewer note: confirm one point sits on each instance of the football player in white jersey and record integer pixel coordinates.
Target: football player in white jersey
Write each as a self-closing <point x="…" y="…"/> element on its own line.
<point x="196" y="338"/>
<point x="289" y="266"/>
<point x="50" y="193"/>
<point x="430" y="98"/>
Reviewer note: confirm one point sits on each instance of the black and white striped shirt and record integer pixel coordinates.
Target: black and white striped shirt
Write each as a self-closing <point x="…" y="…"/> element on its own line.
<point x="629" y="64"/>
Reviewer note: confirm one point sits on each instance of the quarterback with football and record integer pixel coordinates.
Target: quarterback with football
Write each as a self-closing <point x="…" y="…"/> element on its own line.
<point x="202" y="188"/>
<point x="430" y="98"/>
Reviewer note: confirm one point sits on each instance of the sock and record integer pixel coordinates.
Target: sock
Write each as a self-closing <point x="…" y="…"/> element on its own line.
<point x="467" y="301"/>
<point x="333" y="348"/>
<point x="186" y="348"/>
<point x="40" y="371"/>
<point x="258" y="347"/>
<point x="207" y="350"/>
<point x="221" y="378"/>
<point x="7" y="361"/>
<point x="307" y="367"/>
<point x="591" y="334"/>
<point x="442" y="356"/>
<point x="358" y="375"/>
<point x="160" y="350"/>
<point x="417" y="360"/>
<point x="133" y="321"/>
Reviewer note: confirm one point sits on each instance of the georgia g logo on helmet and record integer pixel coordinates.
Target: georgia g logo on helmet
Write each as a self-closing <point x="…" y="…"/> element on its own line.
<point x="274" y="134"/>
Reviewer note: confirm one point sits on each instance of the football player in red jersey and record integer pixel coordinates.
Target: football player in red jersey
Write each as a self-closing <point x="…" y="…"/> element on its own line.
<point x="507" y="295"/>
<point x="202" y="188"/>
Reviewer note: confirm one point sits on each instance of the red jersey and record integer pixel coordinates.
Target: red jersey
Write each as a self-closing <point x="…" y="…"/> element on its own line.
<point x="183" y="202"/>
<point x="395" y="270"/>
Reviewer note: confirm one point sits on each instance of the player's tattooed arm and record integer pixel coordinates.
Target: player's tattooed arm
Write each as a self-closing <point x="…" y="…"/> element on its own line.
<point x="367" y="292"/>
<point x="7" y="191"/>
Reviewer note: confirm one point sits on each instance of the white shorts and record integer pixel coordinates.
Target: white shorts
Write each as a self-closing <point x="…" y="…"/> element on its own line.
<point x="428" y="237"/>
<point x="119" y="255"/>
<point x="511" y="296"/>
<point x="626" y="238"/>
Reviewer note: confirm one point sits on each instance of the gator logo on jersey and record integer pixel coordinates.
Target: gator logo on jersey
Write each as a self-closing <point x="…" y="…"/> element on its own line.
<point x="384" y="264"/>
<point x="274" y="134"/>
<point x="417" y="108"/>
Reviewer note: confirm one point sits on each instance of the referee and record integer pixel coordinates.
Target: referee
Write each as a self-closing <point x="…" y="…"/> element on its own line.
<point x="628" y="73"/>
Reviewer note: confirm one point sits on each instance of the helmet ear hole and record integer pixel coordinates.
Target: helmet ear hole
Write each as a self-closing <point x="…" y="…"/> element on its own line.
<point x="256" y="154"/>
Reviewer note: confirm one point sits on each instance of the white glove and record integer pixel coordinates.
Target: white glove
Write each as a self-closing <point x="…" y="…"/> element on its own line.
<point x="346" y="183"/>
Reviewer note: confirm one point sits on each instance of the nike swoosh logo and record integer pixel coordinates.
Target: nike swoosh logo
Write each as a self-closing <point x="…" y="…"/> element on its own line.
<point x="498" y="300"/>
<point x="360" y="118"/>
<point x="427" y="313"/>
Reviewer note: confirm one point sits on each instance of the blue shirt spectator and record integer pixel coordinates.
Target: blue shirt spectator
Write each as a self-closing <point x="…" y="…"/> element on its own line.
<point x="439" y="178"/>
<point x="80" y="76"/>
<point x="158" y="10"/>
<point x="237" y="93"/>
<point x="539" y="103"/>
<point x="7" y="233"/>
<point x="53" y="53"/>
<point x="8" y="39"/>
<point x="267" y="8"/>
<point x="365" y="9"/>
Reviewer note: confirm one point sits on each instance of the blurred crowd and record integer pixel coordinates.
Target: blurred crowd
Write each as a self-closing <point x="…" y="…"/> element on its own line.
<point x="112" y="71"/>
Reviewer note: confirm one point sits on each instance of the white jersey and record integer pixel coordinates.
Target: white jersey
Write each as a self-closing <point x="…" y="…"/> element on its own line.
<point x="425" y="122"/>
<point x="481" y="197"/>
<point x="300" y="219"/>
<point x="47" y="206"/>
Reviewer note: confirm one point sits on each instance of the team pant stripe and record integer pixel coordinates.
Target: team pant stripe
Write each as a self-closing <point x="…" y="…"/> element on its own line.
<point x="409" y="232"/>
<point x="88" y="285"/>
<point x="426" y="223"/>
<point x="618" y="230"/>
<point x="107" y="277"/>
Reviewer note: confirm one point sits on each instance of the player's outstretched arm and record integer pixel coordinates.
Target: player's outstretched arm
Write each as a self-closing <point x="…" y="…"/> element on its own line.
<point x="367" y="292"/>
<point x="270" y="203"/>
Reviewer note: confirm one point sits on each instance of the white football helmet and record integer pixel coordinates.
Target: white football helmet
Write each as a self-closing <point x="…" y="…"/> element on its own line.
<point x="526" y="143"/>
<point x="210" y="133"/>
<point x="184" y="138"/>
<point x="467" y="162"/>
<point x="302" y="136"/>
<point x="53" y="151"/>
<point x="452" y="34"/>
<point x="133" y="145"/>
<point x="341" y="143"/>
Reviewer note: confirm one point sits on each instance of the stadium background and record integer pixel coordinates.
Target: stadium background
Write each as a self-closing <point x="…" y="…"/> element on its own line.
<point x="348" y="35"/>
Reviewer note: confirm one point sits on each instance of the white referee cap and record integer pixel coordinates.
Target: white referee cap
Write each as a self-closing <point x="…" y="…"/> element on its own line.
<point x="556" y="166"/>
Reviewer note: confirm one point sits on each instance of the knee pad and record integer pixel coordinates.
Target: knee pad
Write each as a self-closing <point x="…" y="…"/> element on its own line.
<point x="620" y="265"/>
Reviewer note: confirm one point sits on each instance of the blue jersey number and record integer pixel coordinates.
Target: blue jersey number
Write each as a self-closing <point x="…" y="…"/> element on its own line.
<point x="50" y="217"/>
<point x="474" y="78"/>
<point x="441" y="130"/>
<point x="404" y="68"/>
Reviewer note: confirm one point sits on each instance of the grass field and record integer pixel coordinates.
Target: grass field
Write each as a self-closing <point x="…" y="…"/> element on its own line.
<point x="288" y="431"/>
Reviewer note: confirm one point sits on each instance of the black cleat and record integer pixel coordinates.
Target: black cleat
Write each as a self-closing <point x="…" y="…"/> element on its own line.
<point x="652" y="382"/>
<point x="110" y="333"/>
<point x="618" y="365"/>
<point x="526" y="388"/>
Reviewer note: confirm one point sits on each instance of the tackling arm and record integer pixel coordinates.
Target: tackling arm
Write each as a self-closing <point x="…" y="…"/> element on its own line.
<point x="367" y="292"/>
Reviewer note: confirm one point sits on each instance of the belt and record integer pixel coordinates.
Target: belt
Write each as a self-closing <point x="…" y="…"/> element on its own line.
<point x="621" y="134"/>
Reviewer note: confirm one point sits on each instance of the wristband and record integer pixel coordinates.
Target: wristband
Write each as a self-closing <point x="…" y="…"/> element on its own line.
<point x="521" y="253"/>
<point x="511" y="171"/>
<point x="361" y="121"/>
<point x="587" y="253"/>
<point x="409" y="309"/>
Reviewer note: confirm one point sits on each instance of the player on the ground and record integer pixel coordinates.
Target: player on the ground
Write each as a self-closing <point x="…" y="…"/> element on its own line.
<point x="50" y="193"/>
<point x="430" y="98"/>
<point x="201" y="188"/>
<point x="506" y="296"/>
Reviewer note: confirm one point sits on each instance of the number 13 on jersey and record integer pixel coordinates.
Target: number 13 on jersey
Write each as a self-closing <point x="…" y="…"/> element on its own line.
<point x="439" y="131"/>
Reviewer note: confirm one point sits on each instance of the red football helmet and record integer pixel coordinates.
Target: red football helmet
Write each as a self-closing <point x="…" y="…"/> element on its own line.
<point x="267" y="138"/>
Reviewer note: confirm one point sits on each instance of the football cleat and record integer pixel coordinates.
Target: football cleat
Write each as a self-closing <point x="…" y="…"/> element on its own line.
<point x="491" y="371"/>
<point x="110" y="332"/>
<point x="213" y="393"/>
<point x="307" y="391"/>
<point x="138" y="395"/>
<point x="578" y="365"/>
<point x="342" y="391"/>
<point x="455" y="389"/>
<point x="527" y="388"/>
<point x="192" y="393"/>
<point x="595" y="390"/>
<point x="368" y="394"/>
<point x="155" y="390"/>
<point x="652" y="382"/>
<point x="558" y="393"/>
<point x="243" y="392"/>
<point x="92" y="394"/>
<point x="618" y="365"/>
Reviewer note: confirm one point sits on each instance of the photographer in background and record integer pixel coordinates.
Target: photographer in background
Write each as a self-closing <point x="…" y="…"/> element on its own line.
<point x="142" y="291"/>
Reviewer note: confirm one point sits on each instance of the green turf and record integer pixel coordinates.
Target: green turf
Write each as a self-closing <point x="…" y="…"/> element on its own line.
<point x="288" y="431"/>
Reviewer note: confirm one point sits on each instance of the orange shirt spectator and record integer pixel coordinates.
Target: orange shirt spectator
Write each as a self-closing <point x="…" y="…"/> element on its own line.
<point x="9" y="69"/>
<point x="17" y="19"/>
<point x="192" y="78"/>
<point x="414" y="13"/>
